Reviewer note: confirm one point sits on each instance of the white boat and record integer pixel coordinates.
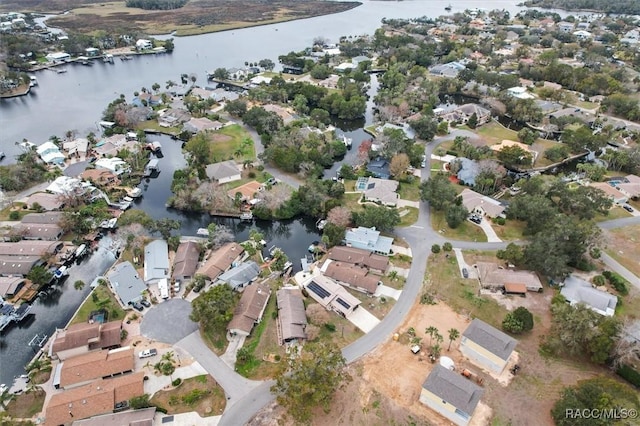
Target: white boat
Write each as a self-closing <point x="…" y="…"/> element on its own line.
<point x="127" y="199"/>
<point x="33" y="81"/>
<point x="60" y="272"/>
<point x="134" y="193"/>
<point x="61" y="70"/>
<point x="109" y="223"/>
<point x="3" y="388"/>
<point x="80" y="251"/>
<point x="203" y="232"/>
<point x="154" y="146"/>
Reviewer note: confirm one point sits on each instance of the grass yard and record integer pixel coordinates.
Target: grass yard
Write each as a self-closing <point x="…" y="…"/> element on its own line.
<point x="495" y="132"/>
<point x="154" y="125"/>
<point x="215" y="338"/>
<point x="540" y="146"/>
<point x="624" y="246"/>
<point x="408" y="215"/>
<point x="104" y="300"/>
<point x="18" y="207"/>
<point x="467" y="231"/>
<point x="201" y="394"/>
<point x="231" y="142"/>
<point x="350" y="201"/>
<point x="615" y="212"/>
<point x="26" y="405"/>
<point x="511" y="230"/>
<point x="410" y="191"/>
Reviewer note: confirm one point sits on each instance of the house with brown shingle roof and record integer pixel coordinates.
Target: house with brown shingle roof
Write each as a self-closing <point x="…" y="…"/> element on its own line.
<point x="247" y="191"/>
<point x="478" y="203"/>
<point x="356" y="256"/>
<point x="10" y="286"/>
<point x="38" y="231"/>
<point x="98" y="397"/>
<point x="250" y="309"/>
<point x="85" y="337"/>
<point x="186" y="261"/>
<point x="221" y="260"/>
<point x="45" y="200"/>
<point x="617" y="196"/>
<point x="352" y="276"/>
<point x="82" y="369"/>
<point x="292" y="317"/>
<point x="100" y="177"/>
<point x="496" y="278"/>
<point x="30" y="248"/>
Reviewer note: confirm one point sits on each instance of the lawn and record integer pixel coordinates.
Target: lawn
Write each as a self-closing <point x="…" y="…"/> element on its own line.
<point x="26" y="405"/>
<point x="104" y="299"/>
<point x="154" y="125"/>
<point x="511" y="230"/>
<point x="231" y="142"/>
<point x="467" y="231"/>
<point x="215" y="338"/>
<point x="201" y="394"/>
<point x="540" y="146"/>
<point x="350" y="201"/>
<point x="615" y="212"/>
<point x="624" y="246"/>
<point x="408" y="215"/>
<point x="410" y="191"/>
<point x="495" y="133"/>
<point x="18" y="207"/>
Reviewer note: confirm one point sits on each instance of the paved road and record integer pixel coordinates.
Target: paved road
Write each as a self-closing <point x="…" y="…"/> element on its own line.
<point x="168" y="321"/>
<point x="616" y="267"/>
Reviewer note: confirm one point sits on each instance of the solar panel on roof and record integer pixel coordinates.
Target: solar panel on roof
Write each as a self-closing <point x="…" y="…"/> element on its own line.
<point x="313" y="286"/>
<point x="343" y="303"/>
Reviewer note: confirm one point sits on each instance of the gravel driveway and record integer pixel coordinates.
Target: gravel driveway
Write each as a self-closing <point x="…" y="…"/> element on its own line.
<point x="168" y="322"/>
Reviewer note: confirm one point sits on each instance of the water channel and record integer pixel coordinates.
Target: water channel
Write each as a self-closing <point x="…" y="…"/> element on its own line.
<point x="74" y="101"/>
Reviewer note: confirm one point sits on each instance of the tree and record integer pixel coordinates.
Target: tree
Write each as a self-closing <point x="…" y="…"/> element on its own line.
<point x="340" y="216"/>
<point x="425" y="127"/>
<point x="473" y="121"/>
<point x="164" y="226"/>
<point x="599" y="393"/>
<point x="138" y="402"/>
<point x="513" y="254"/>
<point x="78" y="285"/>
<point x="455" y="215"/>
<point x="528" y="136"/>
<point x="514" y="156"/>
<point x="199" y="150"/>
<point x="438" y="191"/>
<point x="518" y="321"/>
<point x="447" y="246"/>
<point x="237" y="107"/>
<point x="399" y="165"/>
<point x="312" y="381"/>
<point x="435" y="249"/>
<point x="215" y="307"/>
<point x="431" y="331"/>
<point x="39" y="275"/>
<point x="332" y="234"/>
<point x="382" y="218"/>
<point x="453" y="335"/>
<point x="267" y="64"/>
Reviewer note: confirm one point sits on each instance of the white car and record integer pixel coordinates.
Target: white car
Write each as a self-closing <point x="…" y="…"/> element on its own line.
<point x="147" y="353"/>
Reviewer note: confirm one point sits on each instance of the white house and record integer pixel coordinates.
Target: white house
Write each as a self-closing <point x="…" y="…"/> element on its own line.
<point x="50" y="153"/>
<point x="115" y="165"/>
<point x="520" y="93"/>
<point x="156" y="261"/>
<point x="578" y="291"/>
<point x="144" y="44"/>
<point x="57" y="57"/>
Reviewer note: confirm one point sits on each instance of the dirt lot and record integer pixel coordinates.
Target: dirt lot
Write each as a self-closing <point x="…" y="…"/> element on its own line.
<point x="26" y="405"/>
<point x="623" y="244"/>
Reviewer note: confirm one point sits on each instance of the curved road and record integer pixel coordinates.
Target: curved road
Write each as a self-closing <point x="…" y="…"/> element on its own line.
<point x="420" y="237"/>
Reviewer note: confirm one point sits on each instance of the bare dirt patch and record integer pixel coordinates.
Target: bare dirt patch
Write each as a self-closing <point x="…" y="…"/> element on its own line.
<point x="218" y="137"/>
<point x="26" y="405"/>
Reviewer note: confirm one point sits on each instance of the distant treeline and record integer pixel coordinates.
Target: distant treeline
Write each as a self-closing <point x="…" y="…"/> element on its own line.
<point x="629" y="7"/>
<point x="157" y="4"/>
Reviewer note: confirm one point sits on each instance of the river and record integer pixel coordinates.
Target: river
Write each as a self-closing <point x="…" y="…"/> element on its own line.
<point x="75" y="100"/>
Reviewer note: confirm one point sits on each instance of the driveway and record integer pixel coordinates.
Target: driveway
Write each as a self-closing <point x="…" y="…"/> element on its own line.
<point x="463" y="264"/>
<point x="363" y="319"/>
<point x="492" y="237"/>
<point x="168" y="322"/>
<point x="387" y="291"/>
<point x="230" y="355"/>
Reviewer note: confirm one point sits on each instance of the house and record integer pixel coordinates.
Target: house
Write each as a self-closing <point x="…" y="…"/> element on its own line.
<point x="38" y="231"/>
<point x="379" y="168"/>
<point x="283" y="113"/>
<point x="50" y="153"/>
<point x="355" y="277"/>
<point x="359" y="257"/>
<point x="100" y="177"/>
<point x="126" y="283"/>
<point x="92" y="52"/>
<point x="630" y="186"/>
<point x="143" y="417"/>
<point x="98" y="397"/>
<point x="143" y="44"/>
<point x="46" y="201"/>
<point x="223" y="172"/>
<point x="617" y="196"/>
<point x="487" y="346"/>
<point x="10" y="286"/>
<point x="83" y="369"/>
<point x="241" y="275"/>
<point x="450" y="395"/>
<point x="382" y="191"/>
<point x="467" y="110"/>
<point x="520" y="93"/>
<point x="197" y="125"/>
<point x="115" y="165"/>
<point x="85" y="337"/>
<point x="583" y="35"/>
<point x="173" y="117"/>
<point x="577" y="291"/>
<point x="357" y="60"/>
<point x="250" y="309"/>
<point x="156" y="261"/>
<point x="368" y="239"/>
<point x="247" y="191"/>
<point x="185" y="262"/>
<point x="79" y="147"/>
<point x="292" y="317"/>
<point x="30" y="248"/>
<point x="564" y="27"/>
<point x="331" y="295"/>
<point x="58" y="57"/>
<point x="18" y="265"/>
<point x="494" y="277"/>
<point x="221" y="260"/>
<point x="481" y="204"/>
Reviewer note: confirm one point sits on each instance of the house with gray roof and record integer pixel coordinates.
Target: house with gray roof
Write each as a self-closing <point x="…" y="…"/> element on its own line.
<point x="126" y="283"/>
<point x="292" y="317"/>
<point x="381" y="191"/>
<point x="186" y="261"/>
<point x="223" y="172"/>
<point x="368" y="239"/>
<point x="577" y="291"/>
<point x="156" y="261"/>
<point x="487" y="346"/>
<point x="241" y="275"/>
<point x="250" y="309"/>
<point x="450" y="395"/>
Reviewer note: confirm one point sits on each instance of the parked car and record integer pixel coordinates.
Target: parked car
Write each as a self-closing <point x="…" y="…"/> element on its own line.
<point x="145" y="303"/>
<point x="465" y="273"/>
<point x="137" y="306"/>
<point x="271" y="181"/>
<point x="147" y="353"/>
<point x="475" y="219"/>
<point x="628" y="208"/>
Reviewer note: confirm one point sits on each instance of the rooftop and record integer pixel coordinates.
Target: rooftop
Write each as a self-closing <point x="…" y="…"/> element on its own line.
<point x="490" y="338"/>
<point x="454" y="389"/>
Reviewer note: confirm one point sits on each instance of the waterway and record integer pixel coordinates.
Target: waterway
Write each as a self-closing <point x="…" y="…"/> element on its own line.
<point x="75" y="100"/>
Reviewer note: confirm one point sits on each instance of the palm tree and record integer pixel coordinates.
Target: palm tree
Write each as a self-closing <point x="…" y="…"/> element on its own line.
<point x="453" y="335"/>
<point x="431" y="331"/>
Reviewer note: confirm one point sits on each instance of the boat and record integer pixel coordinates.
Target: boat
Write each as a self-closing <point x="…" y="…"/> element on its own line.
<point x="108" y="58"/>
<point x="80" y="251"/>
<point x="3" y="388"/>
<point x="125" y="58"/>
<point x="60" y="272"/>
<point x="313" y="246"/>
<point x="321" y="223"/>
<point x="151" y="168"/>
<point x="154" y="146"/>
<point x="2" y="155"/>
<point x="348" y="142"/>
<point x="109" y="223"/>
<point x="127" y="199"/>
<point x="61" y="70"/>
<point x="204" y="232"/>
<point x="33" y="81"/>
<point x="22" y="312"/>
<point x="448" y="8"/>
<point x="246" y="216"/>
<point x="134" y="193"/>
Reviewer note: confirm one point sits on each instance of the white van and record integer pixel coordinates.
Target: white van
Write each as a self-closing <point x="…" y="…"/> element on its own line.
<point x="163" y="287"/>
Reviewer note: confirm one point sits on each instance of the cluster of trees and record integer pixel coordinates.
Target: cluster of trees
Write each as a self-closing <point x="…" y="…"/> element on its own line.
<point x="518" y="321"/>
<point x="625" y="7"/>
<point x="622" y="105"/>
<point x="583" y="138"/>
<point x="214" y="308"/>
<point x="26" y="172"/>
<point x="156" y="4"/>
<point x="442" y="196"/>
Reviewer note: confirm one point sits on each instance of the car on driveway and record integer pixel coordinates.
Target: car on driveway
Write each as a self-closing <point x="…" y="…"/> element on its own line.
<point x="475" y="219"/>
<point x="137" y="306"/>
<point x="145" y="303"/>
<point x="465" y="273"/>
<point x="271" y="181"/>
<point x="147" y="353"/>
<point x="628" y="208"/>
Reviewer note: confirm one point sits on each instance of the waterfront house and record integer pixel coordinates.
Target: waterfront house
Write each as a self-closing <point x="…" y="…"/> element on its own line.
<point x="379" y="168"/>
<point x="82" y="369"/>
<point x="78" y="147"/>
<point x="565" y="27"/>
<point x="58" y="57"/>
<point x="368" y="239"/>
<point x="91" y="52"/>
<point x="186" y="261"/>
<point x="223" y="172"/>
<point x="247" y="191"/>
<point x="578" y="291"/>
<point x="30" y="248"/>
<point x="467" y="110"/>
<point x="486" y="346"/>
<point x="115" y="165"/>
<point x="38" y="231"/>
<point x="100" y="177"/>
<point x="142" y="417"/>
<point x="630" y="186"/>
<point x="355" y="277"/>
<point x="144" y="44"/>
<point x="494" y="277"/>
<point x="292" y="317"/>
<point x="126" y="283"/>
<point x="381" y="191"/>
<point x="197" y="125"/>
<point x="450" y="395"/>
<point x="617" y="196"/>
<point x="359" y="257"/>
<point x="520" y="93"/>
<point x="156" y="261"/>
<point x="85" y="337"/>
<point x="99" y="397"/>
<point x="221" y="260"/>
<point x="10" y="286"/>
<point x="250" y="309"/>
<point x="331" y="295"/>
<point x="240" y="276"/>
<point x="18" y="265"/>
<point x="50" y="153"/>
<point x="283" y="113"/>
<point x="477" y="203"/>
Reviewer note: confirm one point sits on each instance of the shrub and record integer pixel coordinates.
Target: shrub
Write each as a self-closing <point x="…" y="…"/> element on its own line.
<point x="599" y="280"/>
<point x="252" y="175"/>
<point x="629" y="374"/>
<point x="617" y="282"/>
<point x="435" y="248"/>
<point x="330" y="326"/>
<point x="14" y="215"/>
<point x="177" y="382"/>
<point x="518" y="321"/>
<point x="500" y="220"/>
<point x="138" y="402"/>
<point x="447" y="246"/>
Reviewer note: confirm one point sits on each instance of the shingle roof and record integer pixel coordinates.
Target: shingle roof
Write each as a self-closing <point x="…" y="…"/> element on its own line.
<point x="472" y="200"/>
<point x="224" y="169"/>
<point x="220" y="260"/>
<point x="241" y="274"/>
<point x="95" y="336"/>
<point x="352" y="275"/>
<point x="40" y="231"/>
<point x="490" y="338"/>
<point x="250" y="308"/>
<point x="454" y="389"/>
<point x="383" y="190"/>
<point x="291" y="314"/>
<point x="576" y="290"/>
<point x="48" y="217"/>
<point x="186" y="260"/>
<point x="96" y="365"/>
<point x="359" y="257"/>
<point x="125" y="281"/>
<point x="10" y="285"/>
<point x="492" y="276"/>
<point x="29" y="248"/>
<point x="156" y="260"/>
<point x="143" y="417"/>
